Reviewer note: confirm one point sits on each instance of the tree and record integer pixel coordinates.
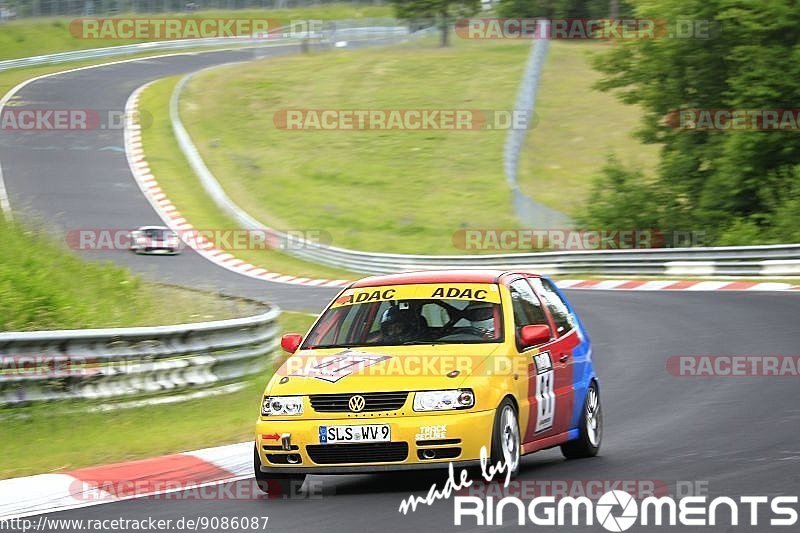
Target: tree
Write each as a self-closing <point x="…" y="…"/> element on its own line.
<point x="739" y="55"/>
<point x="564" y="8"/>
<point x="440" y="11"/>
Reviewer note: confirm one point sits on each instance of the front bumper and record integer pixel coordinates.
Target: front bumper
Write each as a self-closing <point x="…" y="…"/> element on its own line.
<point x="156" y="250"/>
<point x="453" y="437"/>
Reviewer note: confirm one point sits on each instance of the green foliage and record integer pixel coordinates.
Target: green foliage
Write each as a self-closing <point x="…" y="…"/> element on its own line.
<point x="737" y="185"/>
<point x="441" y="11"/>
<point x="562" y="8"/>
<point x="44" y="286"/>
<point x="622" y="199"/>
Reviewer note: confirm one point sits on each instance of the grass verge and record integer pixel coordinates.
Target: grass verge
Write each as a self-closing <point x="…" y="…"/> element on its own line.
<point x="576" y="129"/>
<point x="44" y="286"/>
<point x="399" y="190"/>
<point x="179" y="183"/>
<point x="96" y="438"/>
<point x="31" y="37"/>
<point x="384" y="190"/>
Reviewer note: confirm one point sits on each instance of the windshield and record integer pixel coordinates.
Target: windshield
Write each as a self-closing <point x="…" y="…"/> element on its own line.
<point x="159" y="234"/>
<point x="410" y="314"/>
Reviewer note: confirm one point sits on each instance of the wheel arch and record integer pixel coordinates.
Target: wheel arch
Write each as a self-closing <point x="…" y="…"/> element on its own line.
<point x="513" y="399"/>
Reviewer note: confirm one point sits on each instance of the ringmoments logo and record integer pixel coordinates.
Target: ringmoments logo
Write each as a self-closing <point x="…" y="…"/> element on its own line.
<point x="618" y="510"/>
<point x="615" y="510"/>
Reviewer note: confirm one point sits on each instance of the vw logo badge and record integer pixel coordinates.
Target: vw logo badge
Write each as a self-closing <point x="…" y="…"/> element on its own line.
<point x="356" y="403"/>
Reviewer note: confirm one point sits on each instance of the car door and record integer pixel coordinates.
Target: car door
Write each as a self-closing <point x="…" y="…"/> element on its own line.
<point x="550" y="391"/>
<point x="561" y="347"/>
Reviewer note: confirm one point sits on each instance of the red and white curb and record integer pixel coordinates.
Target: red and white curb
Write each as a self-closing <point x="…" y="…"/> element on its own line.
<point x="175" y="221"/>
<point x="189" y="471"/>
<point x="674" y="285"/>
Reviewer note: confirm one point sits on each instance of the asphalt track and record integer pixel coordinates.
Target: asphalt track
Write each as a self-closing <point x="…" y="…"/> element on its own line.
<point x="738" y="435"/>
<point x="71" y="180"/>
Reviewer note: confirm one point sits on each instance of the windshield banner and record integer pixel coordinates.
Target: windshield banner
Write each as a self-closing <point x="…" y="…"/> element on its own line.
<point x="427" y="291"/>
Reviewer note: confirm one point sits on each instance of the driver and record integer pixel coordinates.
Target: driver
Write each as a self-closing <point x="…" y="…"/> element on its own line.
<point x="399" y="325"/>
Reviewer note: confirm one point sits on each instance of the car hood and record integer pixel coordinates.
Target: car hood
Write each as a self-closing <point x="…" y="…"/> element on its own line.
<point x="379" y="368"/>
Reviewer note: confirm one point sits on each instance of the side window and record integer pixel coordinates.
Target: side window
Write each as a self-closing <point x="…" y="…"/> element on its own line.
<point x="327" y="330"/>
<point x="527" y="307"/>
<point x="346" y="329"/>
<point x="557" y="307"/>
<point x="376" y="322"/>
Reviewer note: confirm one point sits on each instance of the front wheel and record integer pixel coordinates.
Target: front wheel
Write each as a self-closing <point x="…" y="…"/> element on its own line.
<point x="591" y="428"/>
<point x="505" y="437"/>
<point x="277" y="485"/>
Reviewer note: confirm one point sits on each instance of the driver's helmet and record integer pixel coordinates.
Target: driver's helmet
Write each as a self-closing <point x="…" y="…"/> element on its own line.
<point x="399" y="325"/>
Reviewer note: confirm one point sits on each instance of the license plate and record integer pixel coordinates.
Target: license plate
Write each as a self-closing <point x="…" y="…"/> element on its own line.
<point x="370" y="433"/>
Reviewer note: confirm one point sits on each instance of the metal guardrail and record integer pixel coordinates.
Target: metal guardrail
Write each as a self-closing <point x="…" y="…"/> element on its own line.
<point x="114" y="51"/>
<point x="773" y="261"/>
<point x="125" y="362"/>
<point x="331" y="30"/>
<point x="530" y="212"/>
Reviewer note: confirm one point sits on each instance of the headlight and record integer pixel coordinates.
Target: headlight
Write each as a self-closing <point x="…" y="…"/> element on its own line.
<point x="443" y="400"/>
<point x="282" y="405"/>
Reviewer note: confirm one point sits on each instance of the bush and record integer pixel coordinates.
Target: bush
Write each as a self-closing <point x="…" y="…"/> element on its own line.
<point x="622" y="199"/>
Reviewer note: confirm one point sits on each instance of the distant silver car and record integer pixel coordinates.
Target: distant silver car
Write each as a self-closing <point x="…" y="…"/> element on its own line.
<point x="155" y="240"/>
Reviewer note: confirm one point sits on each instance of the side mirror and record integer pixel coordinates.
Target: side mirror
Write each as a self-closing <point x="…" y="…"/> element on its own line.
<point x="291" y="342"/>
<point x="534" y="334"/>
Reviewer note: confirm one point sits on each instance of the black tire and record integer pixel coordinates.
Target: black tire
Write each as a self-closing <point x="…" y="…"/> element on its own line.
<point x="588" y="442"/>
<point x="500" y="450"/>
<point x="277" y="485"/>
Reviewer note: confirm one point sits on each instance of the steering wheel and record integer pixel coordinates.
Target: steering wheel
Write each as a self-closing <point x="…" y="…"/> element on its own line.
<point x="465" y="330"/>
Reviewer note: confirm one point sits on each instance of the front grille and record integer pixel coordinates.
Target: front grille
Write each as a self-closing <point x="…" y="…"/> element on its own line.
<point x="377" y="452"/>
<point x="373" y="401"/>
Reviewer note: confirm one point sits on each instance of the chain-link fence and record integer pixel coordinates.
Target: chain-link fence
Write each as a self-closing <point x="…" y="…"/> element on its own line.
<point x="14" y="9"/>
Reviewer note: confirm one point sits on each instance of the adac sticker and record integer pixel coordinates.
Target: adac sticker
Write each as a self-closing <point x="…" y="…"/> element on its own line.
<point x="425" y="291"/>
<point x="334" y="367"/>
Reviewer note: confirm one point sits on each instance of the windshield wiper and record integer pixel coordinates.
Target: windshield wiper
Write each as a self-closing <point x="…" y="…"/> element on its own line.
<point x="323" y="346"/>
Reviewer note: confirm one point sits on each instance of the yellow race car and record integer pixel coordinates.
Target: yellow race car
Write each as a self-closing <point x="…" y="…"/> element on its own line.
<point x="418" y="370"/>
